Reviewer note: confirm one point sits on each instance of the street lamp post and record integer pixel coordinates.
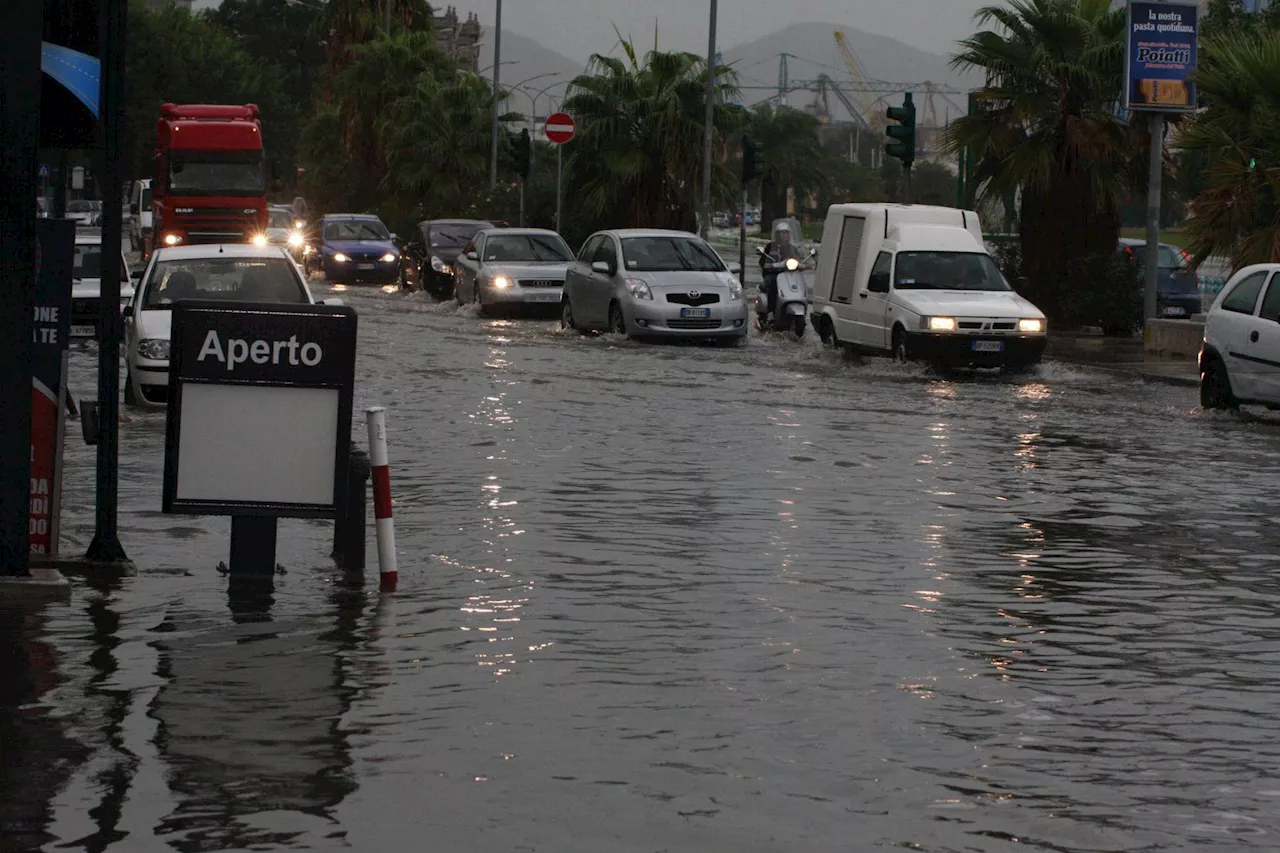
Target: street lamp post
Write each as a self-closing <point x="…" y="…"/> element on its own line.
<point x="533" y="119"/>
<point x="710" y="124"/>
<point x="497" y="91"/>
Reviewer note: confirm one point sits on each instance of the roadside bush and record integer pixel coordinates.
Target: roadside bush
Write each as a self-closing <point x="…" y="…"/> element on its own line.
<point x="1095" y="290"/>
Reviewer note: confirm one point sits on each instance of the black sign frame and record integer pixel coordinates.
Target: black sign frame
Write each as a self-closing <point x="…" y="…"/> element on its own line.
<point x="191" y="318"/>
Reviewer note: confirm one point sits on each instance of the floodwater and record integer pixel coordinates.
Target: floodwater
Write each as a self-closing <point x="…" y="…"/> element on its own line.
<point x="673" y="598"/>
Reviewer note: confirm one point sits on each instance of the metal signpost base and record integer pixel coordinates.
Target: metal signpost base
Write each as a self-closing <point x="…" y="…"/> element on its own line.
<point x="742" y="239"/>
<point x="253" y="545"/>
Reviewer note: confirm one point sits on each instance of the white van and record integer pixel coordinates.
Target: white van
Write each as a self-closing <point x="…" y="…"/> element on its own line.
<point x="140" y="207"/>
<point x="917" y="282"/>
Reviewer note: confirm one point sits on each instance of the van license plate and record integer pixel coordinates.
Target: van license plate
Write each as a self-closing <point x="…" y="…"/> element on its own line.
<point x="695" y="313"/>
<point x="82" y="331"/>
<point x="988" y="346"/>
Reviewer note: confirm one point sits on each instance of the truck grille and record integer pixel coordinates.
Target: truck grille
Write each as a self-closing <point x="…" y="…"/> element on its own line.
<point x="541" y="282"/>
<point x="700" y="299"/>
<point x="693" y="324"/>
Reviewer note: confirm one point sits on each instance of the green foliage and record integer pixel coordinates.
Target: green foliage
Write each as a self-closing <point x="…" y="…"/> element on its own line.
<point x="793" y="155"/>
<point x="637" y="157"/>
<point x="1237" y="213"/>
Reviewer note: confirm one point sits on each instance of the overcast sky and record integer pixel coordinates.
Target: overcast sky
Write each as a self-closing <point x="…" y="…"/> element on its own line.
<point x="578" y="28"/>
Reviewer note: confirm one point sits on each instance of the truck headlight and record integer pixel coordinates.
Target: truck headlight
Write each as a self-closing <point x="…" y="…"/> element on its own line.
<point x="154" y="349"/>
<point x="340" y="258"/>
<point x="1031" y="326"/>
<point x="172" y="239"/>
<point x="942" y="324"/>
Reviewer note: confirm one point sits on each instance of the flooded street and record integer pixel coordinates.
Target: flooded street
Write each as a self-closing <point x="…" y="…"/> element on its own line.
<point x="674" y="598"/>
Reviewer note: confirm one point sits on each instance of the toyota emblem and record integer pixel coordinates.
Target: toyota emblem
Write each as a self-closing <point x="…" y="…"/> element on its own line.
<point x="694" y="294"/>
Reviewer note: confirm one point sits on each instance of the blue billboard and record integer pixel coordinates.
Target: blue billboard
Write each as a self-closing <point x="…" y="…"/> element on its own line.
<point x="1160" y="57"/>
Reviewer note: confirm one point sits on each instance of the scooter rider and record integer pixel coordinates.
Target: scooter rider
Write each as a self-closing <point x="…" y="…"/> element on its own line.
<point x="775" y="258"/>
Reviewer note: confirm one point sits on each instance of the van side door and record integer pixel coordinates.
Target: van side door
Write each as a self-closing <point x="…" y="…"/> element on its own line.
<point x="871" y="311"/>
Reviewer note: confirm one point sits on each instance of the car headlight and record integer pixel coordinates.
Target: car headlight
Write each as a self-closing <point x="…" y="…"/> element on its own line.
<point x="1031" y="326"/>
<point x="340" y="258"/>
<point x="154" y="349"/>
<point x="735" y="291"/>
<point x="501" y="282"/>
<point x="792" y="265"/>
<point x="295" y="239"/>
<point x="172" y="239"/>
<point x="638" y="289"/>
<point x="259" y="240"/>
<point x="942" y="324"/>
<point x="440" y="266"/>
<point x="389" y="257"/>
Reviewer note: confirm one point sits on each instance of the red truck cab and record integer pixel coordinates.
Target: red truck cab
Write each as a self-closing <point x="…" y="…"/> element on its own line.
<point x="210" y="184"/>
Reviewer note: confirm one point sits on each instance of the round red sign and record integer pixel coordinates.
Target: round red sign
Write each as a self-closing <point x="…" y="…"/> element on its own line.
<point x="559" y="128"/>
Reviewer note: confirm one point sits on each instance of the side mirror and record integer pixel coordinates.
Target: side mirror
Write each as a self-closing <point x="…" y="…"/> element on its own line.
<point x="393" y="236"/>
<point x="601" y="267"/>
<point x="813" y="252"/>
<point x="473" y="255"/>
<point x="734" y="267"/>
<point x="879" y="283"/>
<point x="333" y="300"/>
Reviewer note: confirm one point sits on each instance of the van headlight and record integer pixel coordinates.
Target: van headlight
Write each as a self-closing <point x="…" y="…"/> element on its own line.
<point x="1031" y="327"/>
<point x="154" y="349"/>
<point x="940" y="324"/>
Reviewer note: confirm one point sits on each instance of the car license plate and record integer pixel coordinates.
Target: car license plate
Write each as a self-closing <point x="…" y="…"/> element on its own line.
<point x="542" y="297"/>
<point x="1174" y="312"/>
<point x="988" y="346"/>
<point x="695" y="313"/>
<point x="82" y="331"/>
<point x="365" y="266"/>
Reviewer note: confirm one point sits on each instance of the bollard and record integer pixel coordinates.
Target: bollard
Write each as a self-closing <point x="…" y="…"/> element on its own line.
<point x="348" y="526"/>
<point x="377" y="424"/>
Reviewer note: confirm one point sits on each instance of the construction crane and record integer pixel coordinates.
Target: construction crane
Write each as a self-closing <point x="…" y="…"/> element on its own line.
<point x="859" y="77"/>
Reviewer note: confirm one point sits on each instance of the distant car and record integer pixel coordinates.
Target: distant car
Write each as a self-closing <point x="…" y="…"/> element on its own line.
<point x="355" y="247"/>
<point x="282" y="231"/>
<point x="1240" y="357"/>
<point x="86" y="285"/>
<point x="235" y="272"/>
<point x="643" y="283"/>
<point x="85" y="212"/>
<point x="1178" y="288"/>
<point x="511" y="266"/>
<point x="437" y="246"/>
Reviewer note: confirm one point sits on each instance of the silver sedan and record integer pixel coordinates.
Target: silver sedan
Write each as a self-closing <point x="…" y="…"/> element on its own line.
<point x="511" y="266"/>
<point x="648" y="283"/>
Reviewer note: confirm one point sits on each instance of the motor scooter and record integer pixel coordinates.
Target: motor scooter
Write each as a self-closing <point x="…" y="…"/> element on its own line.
<point x="791" y="309"/>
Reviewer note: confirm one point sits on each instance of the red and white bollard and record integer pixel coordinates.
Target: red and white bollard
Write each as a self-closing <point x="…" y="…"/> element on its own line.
<point x="377" y="423"/>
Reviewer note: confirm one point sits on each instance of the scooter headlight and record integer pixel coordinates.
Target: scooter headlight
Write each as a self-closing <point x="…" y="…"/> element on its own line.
<point x="792" y="265"/>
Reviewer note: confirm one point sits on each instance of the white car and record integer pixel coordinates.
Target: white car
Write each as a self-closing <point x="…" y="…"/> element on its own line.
<point x="1240" y="357"/>
<point x="649" y="283"/>
<point x="511" y="266"/>
<point x="229" y="272"/>
<point x="86" y="213"/>
<point x="86" y="285"/>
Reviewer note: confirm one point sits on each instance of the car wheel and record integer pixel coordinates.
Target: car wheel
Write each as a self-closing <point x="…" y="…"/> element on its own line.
<point x="617" y="323"/>
<point x="566" y="315"/>
<point x="827" y="331"/>
<point x="1215" y="387"/>
<point x="480" y="303"/>
<point x="130" y="396"/>
<point x="901" y="352"/>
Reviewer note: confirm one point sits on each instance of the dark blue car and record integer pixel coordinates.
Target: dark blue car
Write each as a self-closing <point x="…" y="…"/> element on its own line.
<point x="1178" y="290"/>
<point x="354" y="248"/>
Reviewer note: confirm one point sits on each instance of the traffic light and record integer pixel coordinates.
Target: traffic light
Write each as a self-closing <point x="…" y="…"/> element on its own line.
<point x="904" y="133"/>
<point x="752" y="160"/>
<point x="522" y="147"/>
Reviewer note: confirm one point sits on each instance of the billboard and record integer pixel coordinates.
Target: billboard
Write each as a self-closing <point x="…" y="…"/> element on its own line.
<point x="1160" y="57"/>
<point x="69" y="59"/>
<point x="51" y="331"/>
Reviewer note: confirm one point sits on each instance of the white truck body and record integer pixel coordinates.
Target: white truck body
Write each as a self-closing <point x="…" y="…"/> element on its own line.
<point x="140" y="206"/>
<point x="869" y="293"/>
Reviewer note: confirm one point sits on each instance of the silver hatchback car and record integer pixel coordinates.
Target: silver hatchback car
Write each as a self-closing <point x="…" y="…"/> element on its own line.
<point x="648" y="283"/>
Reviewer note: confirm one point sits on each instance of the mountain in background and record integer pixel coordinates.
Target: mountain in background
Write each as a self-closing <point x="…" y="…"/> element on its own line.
<point x="529" y="59"/>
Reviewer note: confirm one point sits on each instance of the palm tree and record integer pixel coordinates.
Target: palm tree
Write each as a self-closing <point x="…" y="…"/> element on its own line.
<point x="1237" y="214"/>
<point x="1049" y="128"/>
<point x="793" y="155"/>
<point x="637" y="158"/>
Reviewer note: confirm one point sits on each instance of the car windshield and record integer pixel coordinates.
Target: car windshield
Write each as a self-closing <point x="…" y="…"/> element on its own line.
<point x="664" y="254"/>
<point x="530" y="248"/>
<point x="195" y="172"/>
<point x="1171" y="257"/>
<point x="453" y="235"/>
<point x="948" y="271"/>
<point x="225" y="279"/>
<point x="87" y="262"/>
<point x="279" y="219"/>
<point x="356" y="229"/>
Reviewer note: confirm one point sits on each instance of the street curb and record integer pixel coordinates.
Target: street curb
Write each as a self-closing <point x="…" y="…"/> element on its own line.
<point x="1181" y="381"/>
<point x="40" y="587"/>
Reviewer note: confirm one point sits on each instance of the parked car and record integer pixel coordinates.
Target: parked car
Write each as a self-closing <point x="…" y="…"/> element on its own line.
<point x="85" y="212"/>
<point x="282" y="231"/>
<point x="355" y="247"/>
<point x="436" y="248"/>
<point x="1178" y="287"/>
<point x="86" y="285"/>
<point x="1240" y="357"/>
<point x="667" y="284"/>
<point x="511" y="266"/>
<point x="237" y="272"/>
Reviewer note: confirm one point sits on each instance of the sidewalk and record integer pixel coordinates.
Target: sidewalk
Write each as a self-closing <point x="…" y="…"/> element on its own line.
<point x="1123" y="356"/>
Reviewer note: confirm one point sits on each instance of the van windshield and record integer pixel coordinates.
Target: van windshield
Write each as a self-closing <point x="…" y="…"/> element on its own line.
<point x="948" y="271"/>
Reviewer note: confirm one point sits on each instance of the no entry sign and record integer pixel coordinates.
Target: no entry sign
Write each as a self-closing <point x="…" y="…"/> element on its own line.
<point x="559" y="128"/>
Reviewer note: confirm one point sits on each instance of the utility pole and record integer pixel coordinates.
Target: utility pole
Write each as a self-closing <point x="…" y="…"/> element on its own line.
<point x="1155" y="175"/>
<point x="497" y="95"/>
<point x="20" y="129"/>
<point x="709" y="131"/>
